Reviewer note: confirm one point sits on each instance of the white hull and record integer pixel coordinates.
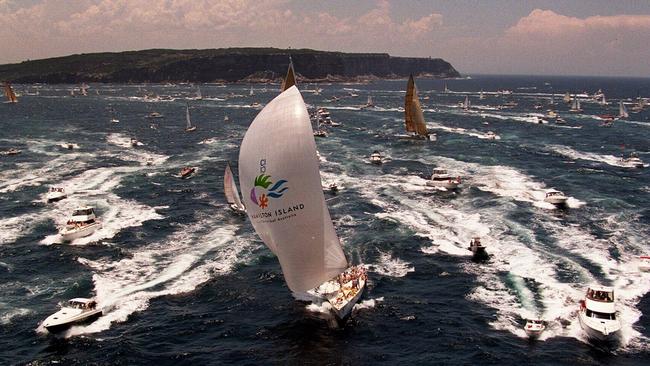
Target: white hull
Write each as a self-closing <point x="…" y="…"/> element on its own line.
<point x="556" y="200"/>
<point x="375" y="161"/>
<point x="343" y="309"/>
<point x="600" y="330"/>
<point x="67" y="317"/>
<point x="76" y="233"/>
<point x="443" y="184"/>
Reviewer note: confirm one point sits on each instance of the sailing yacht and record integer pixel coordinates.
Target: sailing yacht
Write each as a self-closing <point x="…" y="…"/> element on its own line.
<point x="567" y="98"/>
<point x="286" y="205"/>
<point x="290" y="79"/>
<point x="189" y="127"/>
<point x="232" y="195"/>
<point x="251" y="92"/>
<point x="465" y="104"/>
<point x="622" y="111"/>
<point x="481" y="96"/>
<point x="9" y="93"/>
<point x="413" y="116"/>
<point x="199" y="96"/>
<point x="575" y="106"/>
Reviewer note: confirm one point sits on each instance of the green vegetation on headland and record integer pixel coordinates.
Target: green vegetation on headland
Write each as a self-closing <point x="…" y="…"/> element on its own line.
<point x="221" y="65"/>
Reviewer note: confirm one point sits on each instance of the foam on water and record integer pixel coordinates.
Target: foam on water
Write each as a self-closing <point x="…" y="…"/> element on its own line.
<point x="575" y="155"/>
<point x="190" y="257"/>
<point x="387" y="265"/>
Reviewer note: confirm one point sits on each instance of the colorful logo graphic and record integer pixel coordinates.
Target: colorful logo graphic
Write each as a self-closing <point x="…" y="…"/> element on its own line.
<point x="263" y="182"/>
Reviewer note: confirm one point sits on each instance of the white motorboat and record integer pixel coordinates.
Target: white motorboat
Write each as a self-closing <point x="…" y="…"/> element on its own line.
<point x="286" y="204"/>
<point x="440" y="178"/>
<point x="82" y="223"/>
<point x="644" y="264"/>
<point x="555" y="197"/>
<point x="477" y="249"/>
<point x="598" y="316"/>
<point x="154" y="115"/>
<point x="633" y="161"/>
<point x="375" y="158"/>
<point x="76" y="311"/>
<point x="55" y="194"/>
<point x="491" y="136"/>
<point x="134" y="142"/>
<point x="11" y="151"/>
<point x="534" y="327"/>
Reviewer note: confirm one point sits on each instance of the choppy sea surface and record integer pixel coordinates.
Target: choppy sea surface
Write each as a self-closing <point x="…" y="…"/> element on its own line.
<point x="183" y="281"/>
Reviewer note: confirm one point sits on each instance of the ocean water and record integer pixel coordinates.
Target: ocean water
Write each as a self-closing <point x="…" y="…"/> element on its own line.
<point x="183" y="281"/>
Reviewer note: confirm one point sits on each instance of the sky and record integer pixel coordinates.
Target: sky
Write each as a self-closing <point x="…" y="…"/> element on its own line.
<point x="552" y="37"/>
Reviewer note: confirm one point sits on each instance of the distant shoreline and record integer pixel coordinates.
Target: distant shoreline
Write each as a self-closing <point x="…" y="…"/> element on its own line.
<point x="252" y="65"/>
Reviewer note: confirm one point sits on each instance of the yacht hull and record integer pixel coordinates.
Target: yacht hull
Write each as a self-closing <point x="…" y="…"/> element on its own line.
<point x="342" y="310"/>
<point x="70" y="235"/>
<point x="59" y="325"/>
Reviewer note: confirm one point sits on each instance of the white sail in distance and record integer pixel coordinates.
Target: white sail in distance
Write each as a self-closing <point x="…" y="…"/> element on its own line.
<point x="230" y="188"/>
<point x="284" y="199"/>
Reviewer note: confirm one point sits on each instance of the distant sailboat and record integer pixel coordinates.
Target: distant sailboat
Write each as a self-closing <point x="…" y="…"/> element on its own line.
<point x="552" y="102"/>
<point x="287" y="209"/>
<point x="251" y="92"/>
<point x="9" y="93"/>
<point x="575" y="106"/>
<point x="466" y="103"/>
<point x="567" y="98"/>
<point x="84" y="89"/>
<point x="480" y="95"/>
<point x="446" y="88"/>
<point x="622" y="111"/>
<point x="199" y="96"/>
<point x="413" y="116"/>
<point x="290" y="79"/>
<point x="369" y="103"/>
<point x="230" y="189"/>
<point x="189" y="127"/>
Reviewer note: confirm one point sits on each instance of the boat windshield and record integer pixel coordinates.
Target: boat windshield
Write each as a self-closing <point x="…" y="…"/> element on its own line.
<point x="599" y="315"/>
<point x="602" y="296"/>
<point x="439" y="171"/>
<point x="86" y="212"/>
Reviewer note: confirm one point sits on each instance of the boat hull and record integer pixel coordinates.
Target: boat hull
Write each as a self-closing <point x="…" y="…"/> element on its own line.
<point x="63" y="324"/>
<point x="70" y="235"/>
<point x="344" y="309"/>
<point x="558" y="201"/>
<point x="443" y="184"/>
<point x="606" y="335"/>
<point x="57" y="198"/>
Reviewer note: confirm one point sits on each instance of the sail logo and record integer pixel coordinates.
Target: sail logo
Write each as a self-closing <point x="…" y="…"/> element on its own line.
<point x="261" y="193"/>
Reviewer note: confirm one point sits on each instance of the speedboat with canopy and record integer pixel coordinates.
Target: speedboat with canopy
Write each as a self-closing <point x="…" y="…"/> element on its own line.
<point x="286" y="205"/>
<point x="76" y="311"/>
<point x="440" y="178"/>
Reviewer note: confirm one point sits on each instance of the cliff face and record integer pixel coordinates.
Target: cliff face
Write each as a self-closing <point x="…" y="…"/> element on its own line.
<point x="250" y="64"/>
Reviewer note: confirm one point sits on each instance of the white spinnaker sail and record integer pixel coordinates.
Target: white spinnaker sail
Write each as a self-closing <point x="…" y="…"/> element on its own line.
<point x="280" y="180"/>
<point x="187" y="116"/>
<point x="230" y="188"/>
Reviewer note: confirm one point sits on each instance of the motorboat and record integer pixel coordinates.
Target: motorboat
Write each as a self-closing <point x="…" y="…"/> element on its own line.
<point x="187" y="171"/>
<point x="333" y="188"/>
<point x="560" y="121"/>
<point x="321" y="132"/>
<point x="555" y="197"/>
<point x="12" y="151"/>
<point x="491" y="135"/>
<point x="375" y="158"/>
<point x="440" y="178"/>
<point x="69" y="145"/>
<point x="134" y="142"/>
<point x="644" y="264"/>
<point x="55" y="194"/>
<point x="598" y="316"/>
<point x="76" y="311"/>
<point x="534" y="327"/>
<point x="551" y="114"/>
<point x="82" y="223"/>
<point x="477" y="249"/>
<point x="154" y="115"/>
<point x="633" y="161"/>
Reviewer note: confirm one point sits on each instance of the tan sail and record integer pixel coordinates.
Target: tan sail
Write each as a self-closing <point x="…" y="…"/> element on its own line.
<point x="290" y="79"/>
<point x="413" y="115"/>
<point x="9" y="93"/>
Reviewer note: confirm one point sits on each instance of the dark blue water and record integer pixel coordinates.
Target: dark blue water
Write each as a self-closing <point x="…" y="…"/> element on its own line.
<point x="185" y="282"/>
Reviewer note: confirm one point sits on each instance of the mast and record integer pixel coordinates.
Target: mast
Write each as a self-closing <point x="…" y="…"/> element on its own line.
<point x="285" y="200"/>
<point x="290" y="79"/>
<point x="622" y="111"/>
<point x="413" y="116"/>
